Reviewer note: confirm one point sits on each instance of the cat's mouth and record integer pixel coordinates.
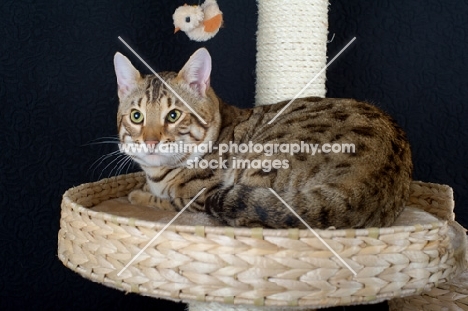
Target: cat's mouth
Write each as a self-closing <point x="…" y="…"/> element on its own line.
<point x="160" y="158"/>
<point x="155" y="159"/>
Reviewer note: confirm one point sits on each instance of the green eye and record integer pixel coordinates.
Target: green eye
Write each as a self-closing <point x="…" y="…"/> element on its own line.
<point x="173" y="115"/>
<point x="136" y="116"/>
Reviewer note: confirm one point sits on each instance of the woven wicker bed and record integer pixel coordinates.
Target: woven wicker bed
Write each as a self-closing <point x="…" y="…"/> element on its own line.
<point x="254" y="266"/>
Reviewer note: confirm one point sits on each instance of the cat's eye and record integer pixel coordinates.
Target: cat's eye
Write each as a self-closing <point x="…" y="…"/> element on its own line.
<point x="173" y="115"/>
<point x="187" y="19"/>
<point x="136" y="116"/>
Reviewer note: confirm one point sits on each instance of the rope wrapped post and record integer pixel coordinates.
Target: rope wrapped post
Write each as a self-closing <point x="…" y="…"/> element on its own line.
<point x="291" y="49"/>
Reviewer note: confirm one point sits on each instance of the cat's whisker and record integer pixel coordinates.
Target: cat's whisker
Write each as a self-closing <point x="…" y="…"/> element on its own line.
<point x="113" y="140"/>
<point x="101" y="159"/>
<point x="103" y="140"/>
<point x="116" y="167"/>
<point x="106" y="137"/>
<point x="128" y="163"/>
<point x="102" y="143"/>
<point x="178" y="157"/>
<point x="117" y="158"/>
<point x="105" y="156"/>
<point x="121" y="164"/>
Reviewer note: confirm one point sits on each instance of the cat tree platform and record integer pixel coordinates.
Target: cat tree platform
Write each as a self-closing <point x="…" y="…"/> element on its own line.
<point x="416" y="262"/>
<point x="249" y="269"/>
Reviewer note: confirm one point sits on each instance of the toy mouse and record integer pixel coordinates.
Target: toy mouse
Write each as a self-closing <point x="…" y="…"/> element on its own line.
<point x="199" y="22"/>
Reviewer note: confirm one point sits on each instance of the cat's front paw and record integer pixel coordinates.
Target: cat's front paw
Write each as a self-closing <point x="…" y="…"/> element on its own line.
<point x="140" y="197"/>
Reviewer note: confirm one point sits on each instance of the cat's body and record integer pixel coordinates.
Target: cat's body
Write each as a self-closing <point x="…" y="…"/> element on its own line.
<point x="361" y="187"/>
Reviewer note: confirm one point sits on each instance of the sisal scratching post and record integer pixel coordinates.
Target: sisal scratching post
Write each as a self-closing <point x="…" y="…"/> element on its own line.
<point x="291" y="49"/>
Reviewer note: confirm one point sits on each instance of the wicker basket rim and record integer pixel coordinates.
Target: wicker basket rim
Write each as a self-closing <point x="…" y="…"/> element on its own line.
<point x="70" y="195"/>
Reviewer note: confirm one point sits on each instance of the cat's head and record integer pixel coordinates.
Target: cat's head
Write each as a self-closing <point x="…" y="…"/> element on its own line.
<point x="155" y="117"/>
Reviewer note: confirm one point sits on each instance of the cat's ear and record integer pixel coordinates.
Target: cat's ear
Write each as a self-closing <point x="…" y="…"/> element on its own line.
<point x="127" y="76"/>
<point x="196" y="72"/>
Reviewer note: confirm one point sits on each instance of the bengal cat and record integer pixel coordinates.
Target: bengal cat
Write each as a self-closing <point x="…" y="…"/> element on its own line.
<point x="358" y="176"/>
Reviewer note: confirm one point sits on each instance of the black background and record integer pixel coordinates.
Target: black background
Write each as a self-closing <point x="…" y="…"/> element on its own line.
<point x="58" y="95"/>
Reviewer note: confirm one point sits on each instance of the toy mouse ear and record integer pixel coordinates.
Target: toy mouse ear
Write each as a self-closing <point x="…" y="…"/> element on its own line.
<point x="196" y="72"/>
<point x="127" y="76"/>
